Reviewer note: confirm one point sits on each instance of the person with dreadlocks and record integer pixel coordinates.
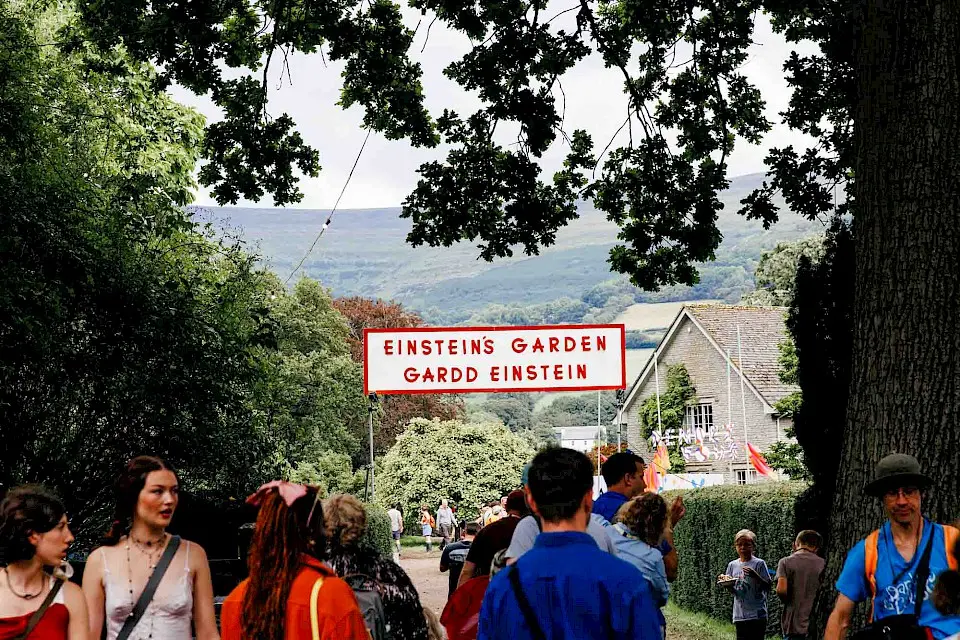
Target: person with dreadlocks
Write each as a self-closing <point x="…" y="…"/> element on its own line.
<point x="290" y="594"/>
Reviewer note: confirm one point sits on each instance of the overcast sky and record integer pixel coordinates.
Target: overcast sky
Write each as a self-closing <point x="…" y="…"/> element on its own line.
<point x="386" y="172"/>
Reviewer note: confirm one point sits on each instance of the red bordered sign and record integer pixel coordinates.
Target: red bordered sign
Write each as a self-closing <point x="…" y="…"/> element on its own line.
<point x="588" y="357"/>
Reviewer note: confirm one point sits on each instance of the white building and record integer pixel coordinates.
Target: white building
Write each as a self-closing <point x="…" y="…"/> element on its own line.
<point x="579" y="438"/>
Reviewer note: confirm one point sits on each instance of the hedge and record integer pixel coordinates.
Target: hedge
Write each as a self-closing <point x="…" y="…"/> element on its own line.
<point x="378" y="534"/>
<point x="704" y="540"/>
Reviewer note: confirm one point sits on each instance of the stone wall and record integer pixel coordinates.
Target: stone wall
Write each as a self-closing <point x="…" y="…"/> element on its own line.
<point x="708" y="373"/>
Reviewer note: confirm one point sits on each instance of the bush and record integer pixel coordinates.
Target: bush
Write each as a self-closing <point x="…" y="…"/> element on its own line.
<point x="378" y="534"/>
<point x="704" y="541"/>
<point x="468" y="464"/>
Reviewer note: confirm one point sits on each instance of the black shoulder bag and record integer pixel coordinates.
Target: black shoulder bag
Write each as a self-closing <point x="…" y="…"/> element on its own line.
<point x="38" y="614"/>
<point x="148" y="591"/>
<point x="905" y="626"/>
<point x="525" y="608"/>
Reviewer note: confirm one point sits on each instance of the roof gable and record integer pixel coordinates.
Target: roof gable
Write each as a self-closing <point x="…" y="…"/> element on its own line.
<point x="762" y="329"/>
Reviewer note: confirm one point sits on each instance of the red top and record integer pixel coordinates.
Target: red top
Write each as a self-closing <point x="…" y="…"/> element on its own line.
<point x="461" y="616"/>
<point x="338" y="613"/>
<point x="52" y="626"/>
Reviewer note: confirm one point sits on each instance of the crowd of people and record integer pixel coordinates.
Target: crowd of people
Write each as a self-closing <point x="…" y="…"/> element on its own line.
<point x="554" y="563"/>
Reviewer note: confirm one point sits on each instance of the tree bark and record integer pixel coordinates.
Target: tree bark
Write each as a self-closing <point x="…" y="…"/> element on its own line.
<point x="905" y="385"/>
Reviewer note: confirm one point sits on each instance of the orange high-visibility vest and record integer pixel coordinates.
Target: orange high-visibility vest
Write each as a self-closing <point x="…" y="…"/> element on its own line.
<point x="950" y="535"/>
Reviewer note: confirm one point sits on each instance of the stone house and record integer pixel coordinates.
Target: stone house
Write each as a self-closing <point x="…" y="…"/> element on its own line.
<point x="704" y="339"/>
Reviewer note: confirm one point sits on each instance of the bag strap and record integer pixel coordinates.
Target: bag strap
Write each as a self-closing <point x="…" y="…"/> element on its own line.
<point x="314" y="616"/>
<point x="148" y="591"/>
<point x="923" y="572"/>
<point x="38" y="614"/>
<point x="525" y="607"/>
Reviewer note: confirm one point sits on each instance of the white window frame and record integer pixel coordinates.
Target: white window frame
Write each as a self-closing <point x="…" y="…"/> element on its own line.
<point x="699" y="410"/>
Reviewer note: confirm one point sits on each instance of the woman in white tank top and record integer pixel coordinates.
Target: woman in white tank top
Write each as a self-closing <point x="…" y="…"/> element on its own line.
<point x="117" y="573"/>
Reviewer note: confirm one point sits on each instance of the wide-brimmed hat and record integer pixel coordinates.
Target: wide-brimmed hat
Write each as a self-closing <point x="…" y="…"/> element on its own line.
<point x="895" y="471"/>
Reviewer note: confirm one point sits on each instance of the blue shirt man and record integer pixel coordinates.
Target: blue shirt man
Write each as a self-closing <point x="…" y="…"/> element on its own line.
<point x="576" y="591"/>
<point x="899" y="483"/>
<point x="900" y="598"/>
<point x="623" y="474"/>
<point x="571" y="587"/>
<point x="608" y="504"/>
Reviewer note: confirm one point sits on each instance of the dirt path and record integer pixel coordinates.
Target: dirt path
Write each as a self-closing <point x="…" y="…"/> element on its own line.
<point x="424" y="569"/>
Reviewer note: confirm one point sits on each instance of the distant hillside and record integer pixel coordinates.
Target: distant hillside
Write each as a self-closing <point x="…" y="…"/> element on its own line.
<point x="364" y="252"/>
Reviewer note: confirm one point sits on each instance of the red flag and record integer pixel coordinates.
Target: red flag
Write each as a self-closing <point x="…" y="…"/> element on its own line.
<point x="758" y="461"/>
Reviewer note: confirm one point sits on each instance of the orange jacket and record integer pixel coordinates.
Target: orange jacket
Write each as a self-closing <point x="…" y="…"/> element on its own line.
<point x="338" y="614"/>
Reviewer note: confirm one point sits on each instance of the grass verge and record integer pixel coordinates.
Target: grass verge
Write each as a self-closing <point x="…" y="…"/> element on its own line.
<point x="686" y="625"/>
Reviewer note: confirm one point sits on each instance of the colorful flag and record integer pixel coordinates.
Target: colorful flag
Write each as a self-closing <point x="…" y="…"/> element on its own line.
<point x="661" y="459"/>
<point x="651" y="479"/>
<point x="758" y="461"/>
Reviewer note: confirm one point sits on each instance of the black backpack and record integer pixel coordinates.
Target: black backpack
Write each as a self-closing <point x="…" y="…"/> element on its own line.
<point x="371" y="605"/>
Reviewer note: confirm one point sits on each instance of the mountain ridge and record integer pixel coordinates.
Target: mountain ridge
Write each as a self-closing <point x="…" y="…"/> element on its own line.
<point x="364" y="252"/>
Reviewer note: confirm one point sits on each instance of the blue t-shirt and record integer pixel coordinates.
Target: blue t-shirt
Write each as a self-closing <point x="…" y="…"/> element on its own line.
<point x="576" y="591"/>
<point x="899" y="598"/>
<point x="608" y="503"/>
<point x="749" y="593"/>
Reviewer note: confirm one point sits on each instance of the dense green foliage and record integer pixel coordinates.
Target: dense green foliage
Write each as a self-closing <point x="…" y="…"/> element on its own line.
<point x="126" y="327"/>
<point x="788" y="457"/>
<point x="776" y="274"/>
<point x="672" y="406"/>
<point x="378" y="533"/>
<point x="821" y="325"/>
<point x="468" y="464"/>
<point x="704" y="540"/>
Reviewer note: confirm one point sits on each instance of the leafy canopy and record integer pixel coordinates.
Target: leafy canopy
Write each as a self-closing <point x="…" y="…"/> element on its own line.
<point x="468" y="464"/>
<point x="687" y="104"/>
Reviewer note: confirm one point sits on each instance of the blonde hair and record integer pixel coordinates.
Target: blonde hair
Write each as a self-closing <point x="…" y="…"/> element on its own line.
<point x="434" y="630"/>
<point x="345" y="520"/>
<point x="645" y="516"/>
<point x="745" y="533"/>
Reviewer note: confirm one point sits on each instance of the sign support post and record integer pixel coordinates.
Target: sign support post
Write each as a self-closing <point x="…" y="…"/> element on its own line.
<point x="373" y="400"/>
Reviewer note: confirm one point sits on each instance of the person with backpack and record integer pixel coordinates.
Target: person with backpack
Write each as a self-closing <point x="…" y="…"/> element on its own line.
<point x="387" y="598"/>
<point x="896" y="567"/>
<point x="291" y="594"/>
<point x="566" y="587"/>
<point x="427" y="523"/>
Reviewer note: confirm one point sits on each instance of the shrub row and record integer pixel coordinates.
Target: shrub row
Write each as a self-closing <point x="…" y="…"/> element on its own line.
<point x="378" y="534"/>
<point x="704" y="541"/>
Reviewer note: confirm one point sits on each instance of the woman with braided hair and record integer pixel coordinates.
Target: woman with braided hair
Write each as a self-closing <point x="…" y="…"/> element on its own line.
<point x="34" y="538"/>
<point x="290" y="594"/>
<point x="118" y="573"/>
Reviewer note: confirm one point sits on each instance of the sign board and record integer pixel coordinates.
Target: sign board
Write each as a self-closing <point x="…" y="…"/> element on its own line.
<point x="492" y="359"/>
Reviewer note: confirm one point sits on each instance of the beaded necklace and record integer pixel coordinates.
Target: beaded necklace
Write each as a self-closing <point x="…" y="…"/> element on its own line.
<point x="153" y="556"/>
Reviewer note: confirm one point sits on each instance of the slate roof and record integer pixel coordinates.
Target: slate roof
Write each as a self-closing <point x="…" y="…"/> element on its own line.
<point x="762" y="329"/>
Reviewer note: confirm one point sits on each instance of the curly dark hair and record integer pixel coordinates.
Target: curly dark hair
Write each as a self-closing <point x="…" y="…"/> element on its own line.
<point x="129" y="485"/>
<point x="645" y="517"/>
<point x="26" y="510"/>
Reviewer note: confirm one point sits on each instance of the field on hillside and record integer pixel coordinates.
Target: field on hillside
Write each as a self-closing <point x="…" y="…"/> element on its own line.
<point x="364" y="252"/>
<point x="649" y="317"/>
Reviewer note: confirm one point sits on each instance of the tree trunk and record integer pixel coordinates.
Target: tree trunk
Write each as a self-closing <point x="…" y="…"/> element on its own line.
<point x="905" y="385"/>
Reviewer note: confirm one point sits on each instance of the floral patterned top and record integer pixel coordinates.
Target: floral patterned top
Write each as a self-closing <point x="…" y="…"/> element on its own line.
<point x="401" y="602"/>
